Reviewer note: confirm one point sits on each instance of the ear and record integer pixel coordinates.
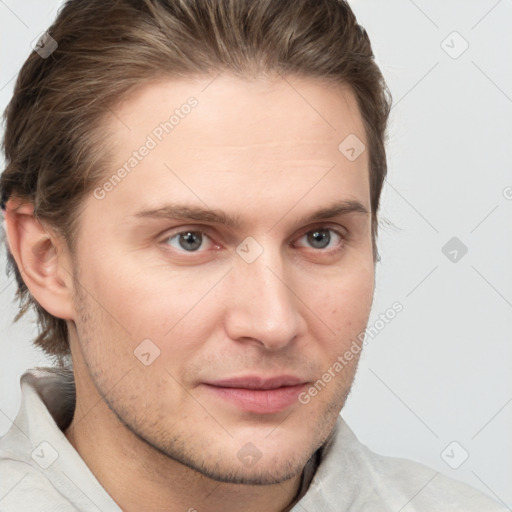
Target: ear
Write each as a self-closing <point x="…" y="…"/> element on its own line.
<point x="41" y="258"/>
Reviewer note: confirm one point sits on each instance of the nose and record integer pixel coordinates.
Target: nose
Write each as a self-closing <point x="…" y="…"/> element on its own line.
<point x="263" y="306"/>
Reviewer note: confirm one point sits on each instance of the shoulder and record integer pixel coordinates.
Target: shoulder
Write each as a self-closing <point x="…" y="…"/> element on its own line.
<point x="23" y="487"/>
<point x="423" y="488"/>
<point x="363" y="480"/>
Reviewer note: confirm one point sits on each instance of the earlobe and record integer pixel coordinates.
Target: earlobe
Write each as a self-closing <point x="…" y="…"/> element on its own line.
<point x="40" y="258"/>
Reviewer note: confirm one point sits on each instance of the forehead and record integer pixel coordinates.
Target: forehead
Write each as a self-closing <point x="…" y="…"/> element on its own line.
<point x="235" y="143"/>
<point x="236" y="111"/>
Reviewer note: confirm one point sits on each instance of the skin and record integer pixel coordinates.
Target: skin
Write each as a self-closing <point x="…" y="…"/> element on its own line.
<point x="267" y="151"/>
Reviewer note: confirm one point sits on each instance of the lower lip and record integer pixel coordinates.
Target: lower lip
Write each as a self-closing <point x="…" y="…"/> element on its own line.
<point x="261" y="401"/>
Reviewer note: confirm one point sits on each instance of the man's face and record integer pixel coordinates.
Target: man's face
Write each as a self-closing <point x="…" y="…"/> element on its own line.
<point x="177" y="318"/>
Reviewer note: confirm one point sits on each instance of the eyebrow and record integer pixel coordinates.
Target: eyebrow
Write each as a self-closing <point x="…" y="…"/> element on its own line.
<point x="185" y="212"/>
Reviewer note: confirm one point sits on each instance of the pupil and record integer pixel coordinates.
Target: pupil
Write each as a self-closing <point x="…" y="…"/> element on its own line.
<point x="192" y="239"/>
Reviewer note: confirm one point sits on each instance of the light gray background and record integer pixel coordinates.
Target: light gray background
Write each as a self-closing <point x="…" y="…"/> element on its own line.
<point x="440" y="371"/>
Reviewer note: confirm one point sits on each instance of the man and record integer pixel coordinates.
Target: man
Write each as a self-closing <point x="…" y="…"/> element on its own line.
<point x="190" y="201"/>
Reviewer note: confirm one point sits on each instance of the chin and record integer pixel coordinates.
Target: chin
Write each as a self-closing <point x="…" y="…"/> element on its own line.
<point x="268" y="472"/>
<point x="258" y="463"/>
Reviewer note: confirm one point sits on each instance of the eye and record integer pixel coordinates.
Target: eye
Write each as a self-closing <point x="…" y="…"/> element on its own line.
<point x="188" y="240"/>
<point x="324" y="238"/>
<point x="321" y="238"/>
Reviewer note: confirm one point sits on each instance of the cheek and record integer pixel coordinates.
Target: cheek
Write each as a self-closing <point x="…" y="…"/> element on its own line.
<point x="143" y="299"/>
<point x="345" y="307"/>
<point x="355" y="302"/>
<point x="175" y="310"/>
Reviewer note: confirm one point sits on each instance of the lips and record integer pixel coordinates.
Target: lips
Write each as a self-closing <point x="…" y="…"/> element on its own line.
<point x="254" y="382"/>
<point x="257" y="394"/>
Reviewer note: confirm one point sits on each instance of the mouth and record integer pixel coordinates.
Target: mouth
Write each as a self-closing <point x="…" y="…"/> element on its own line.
<point x="256" y="394"/>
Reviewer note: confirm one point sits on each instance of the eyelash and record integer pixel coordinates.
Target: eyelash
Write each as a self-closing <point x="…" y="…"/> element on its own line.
<point x="326" y="227"/>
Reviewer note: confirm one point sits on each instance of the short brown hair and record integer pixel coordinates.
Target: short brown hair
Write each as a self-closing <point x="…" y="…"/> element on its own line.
<point x="55" y="153"/>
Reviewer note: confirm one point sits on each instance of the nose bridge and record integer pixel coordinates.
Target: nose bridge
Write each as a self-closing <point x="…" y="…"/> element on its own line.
<point x="263" y="306"/>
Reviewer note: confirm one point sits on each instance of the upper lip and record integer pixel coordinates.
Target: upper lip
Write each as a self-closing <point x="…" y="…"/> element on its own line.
<point x="257" y="382"/>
